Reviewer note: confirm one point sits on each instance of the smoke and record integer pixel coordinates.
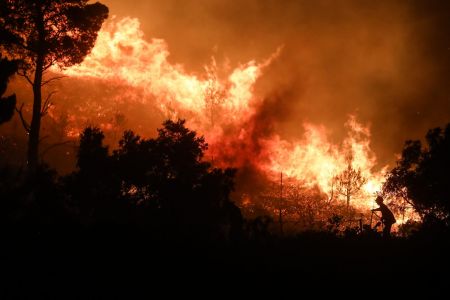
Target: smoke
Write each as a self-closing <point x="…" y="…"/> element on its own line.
<point x="385" y="61"/>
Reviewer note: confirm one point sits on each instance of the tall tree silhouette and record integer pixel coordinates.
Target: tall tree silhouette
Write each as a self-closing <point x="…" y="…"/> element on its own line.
<point x="7" y="104"/>
<point x="43" y="33"/>
<point x="422" y="175"/>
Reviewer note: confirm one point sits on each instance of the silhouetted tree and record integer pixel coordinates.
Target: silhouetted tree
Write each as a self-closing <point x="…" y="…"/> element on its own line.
<point x="44" y="33"/>
<point x="92" y="155"/>
<point x="349" y="182"/>
<point x="7" y="105"/>
<point x="214" y="210"/>
<point x="166" y="168"/>
<point x="161" y="183"/>
<point x="422" y="175"/>
<point x="167" y="175"/>
<point x="94" y="189"/>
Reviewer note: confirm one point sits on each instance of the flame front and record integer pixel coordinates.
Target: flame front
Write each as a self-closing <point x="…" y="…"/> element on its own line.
<point x="223" y="110"/>
<point x="316" y="161"/>
<point x="122" y="54"/>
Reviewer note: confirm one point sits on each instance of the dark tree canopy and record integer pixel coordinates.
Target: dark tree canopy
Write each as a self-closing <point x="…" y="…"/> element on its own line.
<point x="7" y="104"/>
<point x="161" y="182"/>
<point x="91" y="152"/>
<point x="422" y="175"/>
<point x="63" y="31"/>
<point x="41" y="34"/>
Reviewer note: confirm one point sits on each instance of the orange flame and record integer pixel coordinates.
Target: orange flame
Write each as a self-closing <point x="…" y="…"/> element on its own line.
<point x="122" y="54"/>
<point x="212" y="104"/>
<point x="315" y="161"/>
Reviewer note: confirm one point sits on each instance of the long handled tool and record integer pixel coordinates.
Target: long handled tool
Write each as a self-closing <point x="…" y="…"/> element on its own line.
<point x="378" y="223"/>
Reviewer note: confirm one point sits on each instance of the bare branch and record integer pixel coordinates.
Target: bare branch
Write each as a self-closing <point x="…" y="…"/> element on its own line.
<point x="25" y="124"/>
<point x="49" y="65"/>
<point x="53" y="79"/>
<point x="47" y="104"/>
<point x="23" y="74"/>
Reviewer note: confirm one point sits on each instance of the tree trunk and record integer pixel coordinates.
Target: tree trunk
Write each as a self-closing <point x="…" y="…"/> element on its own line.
<point x="33" y="141"/>
<point x="35" y="127"/>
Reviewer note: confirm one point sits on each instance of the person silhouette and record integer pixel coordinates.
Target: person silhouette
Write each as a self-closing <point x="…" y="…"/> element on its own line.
<point x="387" y="217"/>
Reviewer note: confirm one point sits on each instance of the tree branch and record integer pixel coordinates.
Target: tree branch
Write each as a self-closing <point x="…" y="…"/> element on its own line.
<point x="47" y="104"/>
<point x="49" y="65"/>
<point x="23" y="74"/>
<point x="25" y="124"/>
<point x="53" y="79"/>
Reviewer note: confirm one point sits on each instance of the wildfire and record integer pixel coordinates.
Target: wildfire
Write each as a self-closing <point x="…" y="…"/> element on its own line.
<point x="222" y="108"/>
<point x="315" y="161"/>
<point x="122" y="54"/>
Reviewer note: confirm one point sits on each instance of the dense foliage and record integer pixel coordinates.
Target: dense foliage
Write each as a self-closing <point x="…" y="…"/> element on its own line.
<point x="422" y="176"/>
<point x="41" y="34"/>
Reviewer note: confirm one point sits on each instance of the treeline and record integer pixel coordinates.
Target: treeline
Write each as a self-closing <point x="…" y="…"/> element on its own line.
<point x="165" y="187"/>
<point x="162" y="185"/>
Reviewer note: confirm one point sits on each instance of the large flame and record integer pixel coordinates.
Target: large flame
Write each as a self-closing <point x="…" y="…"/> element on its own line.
<point x="121" y="53"/>
<point x="315" y="161"/>
<point x="222" y="109"/>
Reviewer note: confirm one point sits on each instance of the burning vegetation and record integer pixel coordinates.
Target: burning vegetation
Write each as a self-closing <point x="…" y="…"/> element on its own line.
<point x="128" y="81"/>
<point x="222" y="106"/>
<point x="108" y="143"/>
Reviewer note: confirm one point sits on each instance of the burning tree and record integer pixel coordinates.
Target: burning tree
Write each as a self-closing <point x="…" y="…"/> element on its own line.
<point x="301" y="207"/>
<point x="42" y="34"/>
<point x="349" y="182"/>
<point x="214" y="94"/>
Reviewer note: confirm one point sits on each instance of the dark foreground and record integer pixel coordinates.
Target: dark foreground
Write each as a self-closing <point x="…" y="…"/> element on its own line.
<point x="120" y="265"/>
